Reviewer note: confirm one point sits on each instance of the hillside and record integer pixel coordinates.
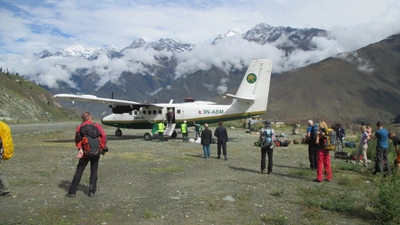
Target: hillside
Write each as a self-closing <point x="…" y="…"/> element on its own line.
<point x="350" y="88"/>
<point x="23" y="101"/>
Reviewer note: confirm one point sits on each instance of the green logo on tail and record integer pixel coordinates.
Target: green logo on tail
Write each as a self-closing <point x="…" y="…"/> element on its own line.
<point x="251" y="78"/>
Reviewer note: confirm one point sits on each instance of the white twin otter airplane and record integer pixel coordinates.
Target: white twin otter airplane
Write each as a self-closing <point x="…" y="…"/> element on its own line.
<point x="250" y="100"/>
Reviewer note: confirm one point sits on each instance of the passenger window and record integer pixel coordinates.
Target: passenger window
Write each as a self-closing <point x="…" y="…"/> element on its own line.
<point x="178" y="111"/>
<point x="149" y="112"/>
<point x="154" y="112"/>
<point x="159" y="111"/>
<point x="144" y="112"/>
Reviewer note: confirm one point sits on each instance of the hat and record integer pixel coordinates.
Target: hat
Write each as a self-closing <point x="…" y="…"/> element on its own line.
<point x="267" y="122"/>
<point x="379" y="123"/>
<point x="184" y="121"/>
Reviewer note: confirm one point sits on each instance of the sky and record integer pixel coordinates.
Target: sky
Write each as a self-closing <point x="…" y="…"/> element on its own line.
<point x="29" y="27"/>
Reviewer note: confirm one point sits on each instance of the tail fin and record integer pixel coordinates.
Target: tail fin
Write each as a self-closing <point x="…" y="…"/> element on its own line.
<point x="254" y="89"/>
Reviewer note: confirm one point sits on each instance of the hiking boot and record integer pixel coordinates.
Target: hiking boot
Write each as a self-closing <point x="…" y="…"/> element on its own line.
<point x="91" y="194"/>
<point x="218" y="157"/>
<point x="70" y="195"/>
<point x="225" y="158"/>
<point x="5" y="193"/>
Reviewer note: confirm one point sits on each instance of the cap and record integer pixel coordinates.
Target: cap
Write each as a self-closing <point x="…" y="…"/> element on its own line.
<point x="184" y="121"/>
<point x="379" y="123"/>
<point x="267" y="122"/>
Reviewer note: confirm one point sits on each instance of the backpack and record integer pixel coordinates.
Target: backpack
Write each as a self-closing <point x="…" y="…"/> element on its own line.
<point x="266" y="137"/>
<point x="90" y="140"/>
<point x="330" y="139"/>
<point x="314" y="131"/>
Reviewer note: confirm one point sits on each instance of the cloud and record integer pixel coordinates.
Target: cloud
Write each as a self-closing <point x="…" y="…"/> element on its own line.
<point x="32" y="26"/>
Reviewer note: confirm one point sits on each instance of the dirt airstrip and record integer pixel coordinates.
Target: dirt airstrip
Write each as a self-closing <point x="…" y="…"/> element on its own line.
<point x="147" y="182"/>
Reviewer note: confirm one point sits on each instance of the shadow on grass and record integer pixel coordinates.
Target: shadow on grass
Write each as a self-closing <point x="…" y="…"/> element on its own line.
<point x="66" y="184"/>
<point x="244" y="169"/>
<point x="285" y="166"/>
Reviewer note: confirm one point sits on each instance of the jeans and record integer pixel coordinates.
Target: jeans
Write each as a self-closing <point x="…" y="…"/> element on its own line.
<point x="207" y="152"/>
<point x="160" y="136"/>
<point x="382" y="162"/>
<point x="4" y="186"/>
<point x="185" y="137"/>
<point x="340" y="142"/>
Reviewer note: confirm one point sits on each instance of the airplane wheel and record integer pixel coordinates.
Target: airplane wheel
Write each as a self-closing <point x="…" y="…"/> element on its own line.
<point x="147" y="136"/>
<point x="118" y="133"/>
<point x="174" y="134"/>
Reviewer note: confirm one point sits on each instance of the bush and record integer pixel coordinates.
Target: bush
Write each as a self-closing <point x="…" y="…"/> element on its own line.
<point x="387" y="201"/>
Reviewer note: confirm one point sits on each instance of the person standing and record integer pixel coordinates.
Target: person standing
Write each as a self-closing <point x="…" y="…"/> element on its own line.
<point x="363" y="147"/>
<point x="382" y="163"/>
<point x="197" y="129"/>
<point x="87" y="128"/>
<point x="312" y="147"/>
<point x="206" y="136"/>
<point x="6" y="153"/>
<point x="369" y="130"/>
<point x="396" y="141"/>
<point x="184" y="132"/>
<point x="161" y="128"/>
<point x="340" y="136"/>
<point x="222" y="136"/>
<point x="323" y="156"/>
<point x="267" y="137"/>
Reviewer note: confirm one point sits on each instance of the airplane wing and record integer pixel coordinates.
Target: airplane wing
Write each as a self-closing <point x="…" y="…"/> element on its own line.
<point x="93" y="98"/>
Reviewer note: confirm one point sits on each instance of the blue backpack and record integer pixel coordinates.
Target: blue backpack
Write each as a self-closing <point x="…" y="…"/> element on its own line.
<point x="266" y="137"/>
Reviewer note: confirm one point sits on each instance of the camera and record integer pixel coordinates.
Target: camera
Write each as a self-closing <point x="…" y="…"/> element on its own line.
<point x="105" y="149"/>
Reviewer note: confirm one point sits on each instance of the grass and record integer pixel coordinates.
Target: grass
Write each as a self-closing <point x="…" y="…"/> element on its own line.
<point x="274" y="219"/>
<point x="176" y="169"/>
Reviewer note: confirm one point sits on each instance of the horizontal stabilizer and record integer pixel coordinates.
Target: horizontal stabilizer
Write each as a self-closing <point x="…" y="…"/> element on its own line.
<point x="239" y="97"/>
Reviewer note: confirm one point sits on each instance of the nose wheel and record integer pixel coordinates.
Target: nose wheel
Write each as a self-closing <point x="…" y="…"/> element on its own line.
<point x="118" y="133"/>
<point x="147" y="136"/>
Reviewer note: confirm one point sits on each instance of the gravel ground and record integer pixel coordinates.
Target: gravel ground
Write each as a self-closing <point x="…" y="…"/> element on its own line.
<point x="147" y="182"/>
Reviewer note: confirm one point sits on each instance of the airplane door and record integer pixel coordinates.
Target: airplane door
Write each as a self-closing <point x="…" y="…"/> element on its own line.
<point x="171" y="115"/>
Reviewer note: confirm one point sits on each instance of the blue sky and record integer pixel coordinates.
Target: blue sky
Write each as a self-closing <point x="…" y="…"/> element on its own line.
<point x="31" y="26"/>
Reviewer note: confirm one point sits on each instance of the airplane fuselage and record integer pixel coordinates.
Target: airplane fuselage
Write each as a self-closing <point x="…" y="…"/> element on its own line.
<point x="147" y="116"/>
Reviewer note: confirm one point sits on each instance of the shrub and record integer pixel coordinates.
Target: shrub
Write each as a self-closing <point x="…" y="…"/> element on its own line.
<point x="386" y="202"/>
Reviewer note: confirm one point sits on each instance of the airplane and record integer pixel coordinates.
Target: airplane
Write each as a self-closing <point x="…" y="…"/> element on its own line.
<point x="250" y="100"/>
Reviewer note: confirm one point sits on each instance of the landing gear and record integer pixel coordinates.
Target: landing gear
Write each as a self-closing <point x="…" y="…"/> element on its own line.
<point x="118" y="133"/>
<point x="147" y="136"/>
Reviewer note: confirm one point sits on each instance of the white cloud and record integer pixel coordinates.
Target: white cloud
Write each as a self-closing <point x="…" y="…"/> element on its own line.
<point x="32" y="26"/>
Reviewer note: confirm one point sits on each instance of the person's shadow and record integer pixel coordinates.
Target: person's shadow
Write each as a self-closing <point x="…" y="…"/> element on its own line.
<point x="66" y="184"/>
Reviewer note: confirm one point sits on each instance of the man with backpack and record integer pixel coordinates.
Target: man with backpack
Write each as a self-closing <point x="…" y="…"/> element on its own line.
<point x="312" y="147"/>
<point x="267" y="137"/>
<point x="6" y="152"/>
<point x="91" y="140"/>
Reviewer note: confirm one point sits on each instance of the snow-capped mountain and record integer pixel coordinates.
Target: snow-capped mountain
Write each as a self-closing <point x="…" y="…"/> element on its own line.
<point x="286" y="38"/>
<point x="164" y="72"/>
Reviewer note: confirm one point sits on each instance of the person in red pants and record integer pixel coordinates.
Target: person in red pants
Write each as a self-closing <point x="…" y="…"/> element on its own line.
<point x="323" y="155"/>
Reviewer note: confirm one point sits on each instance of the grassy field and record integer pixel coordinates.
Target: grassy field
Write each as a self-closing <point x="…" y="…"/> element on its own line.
<point x="147" y="182"/>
